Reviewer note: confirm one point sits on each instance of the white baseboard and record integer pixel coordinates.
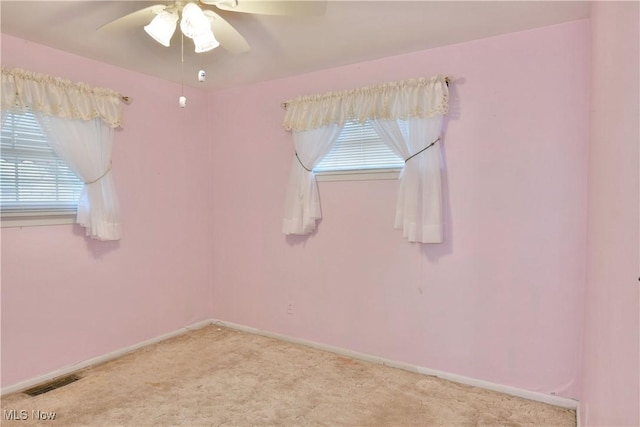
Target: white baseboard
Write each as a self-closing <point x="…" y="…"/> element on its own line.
<point x="579" y="416"/>
<point x="513" y="391"/>
<point x="562" y="402"/>
<point x="23" y="385"/>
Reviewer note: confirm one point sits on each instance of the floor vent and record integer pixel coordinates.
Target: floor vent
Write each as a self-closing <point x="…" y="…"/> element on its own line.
<point x="52" y="385"/>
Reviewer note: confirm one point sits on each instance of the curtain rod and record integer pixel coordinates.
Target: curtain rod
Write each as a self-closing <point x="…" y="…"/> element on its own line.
<point x="447" y="80"/>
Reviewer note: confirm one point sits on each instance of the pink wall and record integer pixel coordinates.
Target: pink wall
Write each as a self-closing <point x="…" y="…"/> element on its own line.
<point x="66" y="298"/>
<point x="501" y="300"/>
<point x="611" y="393"/>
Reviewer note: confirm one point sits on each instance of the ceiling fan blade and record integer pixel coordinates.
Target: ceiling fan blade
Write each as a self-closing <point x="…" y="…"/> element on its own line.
<point x="135" y="19"/>
<point x="272" y="7"/>
<point x="229" y="37"/>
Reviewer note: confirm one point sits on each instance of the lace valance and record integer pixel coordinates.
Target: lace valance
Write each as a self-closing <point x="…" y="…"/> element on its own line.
<point x="423" y="97"/>
<point x="57" y="97"/>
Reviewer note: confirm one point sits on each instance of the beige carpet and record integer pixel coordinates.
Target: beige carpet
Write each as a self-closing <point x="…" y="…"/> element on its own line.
<point x="222" y="377"/>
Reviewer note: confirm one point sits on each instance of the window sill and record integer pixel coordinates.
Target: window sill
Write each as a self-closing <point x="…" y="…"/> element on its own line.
<point x="35" y="220"/>
<point x="358" y="175"/>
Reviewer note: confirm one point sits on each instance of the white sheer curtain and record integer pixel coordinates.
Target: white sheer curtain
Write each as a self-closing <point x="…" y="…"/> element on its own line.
<point x="85" y="146"/>
<point x="422" y="102"/>
<point x="419" y="204"/>
<point x="78" y="120"/>
<point x="302" y="205"/>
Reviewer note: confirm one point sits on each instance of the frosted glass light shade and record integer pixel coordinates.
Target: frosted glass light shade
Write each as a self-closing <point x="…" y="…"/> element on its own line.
<point x="194" y="22"/>
<point x="205" y="42"/>
<point x="162" y="27"/>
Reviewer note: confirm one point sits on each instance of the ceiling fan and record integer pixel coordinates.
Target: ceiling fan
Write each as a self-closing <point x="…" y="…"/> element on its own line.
<point x="204" y="26"/>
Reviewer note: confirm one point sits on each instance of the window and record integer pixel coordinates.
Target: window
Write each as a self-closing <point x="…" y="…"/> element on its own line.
<point x="34" y="180"/>
<point x="359" y="149"/>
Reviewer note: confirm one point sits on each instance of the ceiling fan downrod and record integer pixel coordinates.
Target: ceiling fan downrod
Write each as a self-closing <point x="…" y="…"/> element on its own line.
<point x="225" y="3"/>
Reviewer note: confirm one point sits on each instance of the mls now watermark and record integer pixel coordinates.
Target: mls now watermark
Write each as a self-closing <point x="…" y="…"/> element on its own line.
<point x="23" y="415"/>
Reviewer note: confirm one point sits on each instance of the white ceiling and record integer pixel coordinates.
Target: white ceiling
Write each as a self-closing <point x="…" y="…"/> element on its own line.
<point x="349" y="32"/>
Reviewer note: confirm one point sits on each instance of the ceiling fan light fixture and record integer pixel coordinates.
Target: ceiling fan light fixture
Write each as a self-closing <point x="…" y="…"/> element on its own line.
<point x="162" y="27"/>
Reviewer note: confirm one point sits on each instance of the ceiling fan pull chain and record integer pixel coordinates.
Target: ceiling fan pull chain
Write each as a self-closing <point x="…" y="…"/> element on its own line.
<point x="182" y="100"/>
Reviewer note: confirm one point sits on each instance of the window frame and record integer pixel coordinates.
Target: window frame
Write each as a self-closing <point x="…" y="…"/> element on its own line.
<point x="359" y="174"/>
<point x="43" y="217"/>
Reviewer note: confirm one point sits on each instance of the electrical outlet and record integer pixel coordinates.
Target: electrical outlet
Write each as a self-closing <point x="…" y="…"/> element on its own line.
<point x="290" y="308"/>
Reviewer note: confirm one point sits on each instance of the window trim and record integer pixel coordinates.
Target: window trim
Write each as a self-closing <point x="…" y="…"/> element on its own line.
<point x="36" y="219"/>
<point x="359" y="175"/>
